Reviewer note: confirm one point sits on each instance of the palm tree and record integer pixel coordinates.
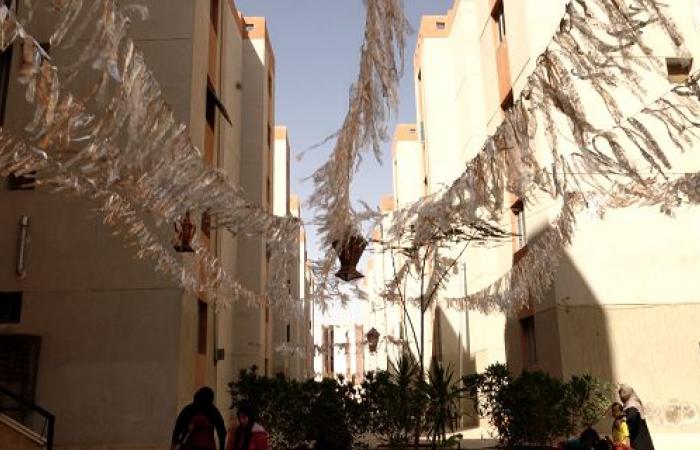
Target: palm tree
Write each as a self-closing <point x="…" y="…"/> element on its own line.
<point x="442" y="395"/>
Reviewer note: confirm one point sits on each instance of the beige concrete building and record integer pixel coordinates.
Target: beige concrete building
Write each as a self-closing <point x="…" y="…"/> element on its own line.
<point x="428" y="156"/>
<point x="93" y="335"/>
<point x="291" y="328"/>
<point x="622" y="306"/>
<point x="254" y="325"/>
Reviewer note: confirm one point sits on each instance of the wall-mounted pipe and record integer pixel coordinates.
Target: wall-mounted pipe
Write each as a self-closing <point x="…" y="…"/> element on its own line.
<point x="23" y="241"/>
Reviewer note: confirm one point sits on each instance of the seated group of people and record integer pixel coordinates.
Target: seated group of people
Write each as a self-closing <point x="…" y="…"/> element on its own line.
<point x="629" y="429"/>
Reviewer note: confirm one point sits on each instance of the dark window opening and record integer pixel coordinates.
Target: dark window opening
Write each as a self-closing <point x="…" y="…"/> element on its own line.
<point x="10" y="307"/>
<point x="5" y="64"/>
<point x="24" y="182"/>
<point x="507" y="103"/>
<point x="202" y="327"/>
<point x="678" y="69"/>
<point x="211" y="107"/>
<point x="269" y="85"/>
<point x="206" y="224"/>
<point x="499" y="17"/>
<point x="529" y="342"/>
<point x="214" y="14"/>
<point x="249" y="26"/>
<point x="289" y="333"/>
<point x="19" y="363"/>
<point x="440" y="25"/>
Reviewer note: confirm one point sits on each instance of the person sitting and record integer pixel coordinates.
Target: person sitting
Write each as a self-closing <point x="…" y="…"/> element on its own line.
<point x="588" y="440"/>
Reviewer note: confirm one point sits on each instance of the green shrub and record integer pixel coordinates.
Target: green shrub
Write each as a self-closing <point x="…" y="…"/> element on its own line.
<point x="296" y="413"/>
<point x="535" y="408"/>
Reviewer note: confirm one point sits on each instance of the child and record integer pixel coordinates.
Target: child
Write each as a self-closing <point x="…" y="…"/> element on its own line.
<point x="620" y="431"/>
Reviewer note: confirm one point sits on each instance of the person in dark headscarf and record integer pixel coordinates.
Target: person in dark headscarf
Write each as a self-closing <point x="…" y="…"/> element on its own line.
<point x="640" y="438"/>
<point x="197" y="422"/>
<point x="248" y="435"/>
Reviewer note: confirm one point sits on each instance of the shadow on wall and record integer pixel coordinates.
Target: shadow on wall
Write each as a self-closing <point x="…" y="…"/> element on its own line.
<point x="571" y="331"/>
<point x="563" y="334"/>
<point x="449" y="350"/>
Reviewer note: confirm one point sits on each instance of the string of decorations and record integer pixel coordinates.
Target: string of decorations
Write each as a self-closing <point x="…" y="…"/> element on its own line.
<point x="373" y="96"/>
<point x="124" y="141"/>
<point x="595" y="54"/>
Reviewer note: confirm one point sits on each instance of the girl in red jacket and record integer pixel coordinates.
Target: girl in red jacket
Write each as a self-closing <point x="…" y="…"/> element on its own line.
<point x="248" y="435"/>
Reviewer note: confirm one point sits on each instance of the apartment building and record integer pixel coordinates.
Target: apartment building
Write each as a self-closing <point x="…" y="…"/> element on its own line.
<point x="622" y="305"/>
<point x="97" y="337"/>
<point x="291" y="329"/>
<point x="427" y="156"/>
<point x="254" y="346"/>
<point x="388" y="319"/>
<point x="341" y="352"/>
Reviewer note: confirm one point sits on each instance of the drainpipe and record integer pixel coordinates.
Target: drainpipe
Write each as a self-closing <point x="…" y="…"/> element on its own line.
<point x="23" y="241"/>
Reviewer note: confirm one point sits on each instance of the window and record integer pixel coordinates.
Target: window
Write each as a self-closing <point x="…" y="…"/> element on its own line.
<point x="206" y="224"/>
<point x="507" y="102"/>
<point x="10" y="307"/>
<point x="529" y="342"/>
<point x="269" y="85"/>
<point x="211" y="107"/>
<point x="440" y="25"/>
<point x="269" y="135"/>
<point x="678" y="69"/>
<point x="5" y="64"/>
<point x="268" y="192"/>
<point x="24" y="182"/>
<point x="499" y="18"/>
<point x="214" y="14"/>
<point x="201" y="327"/>
<point x="289" y="333"/>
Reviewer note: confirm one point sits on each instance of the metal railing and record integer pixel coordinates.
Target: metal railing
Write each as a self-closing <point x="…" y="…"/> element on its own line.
<point x="26" y="413"/>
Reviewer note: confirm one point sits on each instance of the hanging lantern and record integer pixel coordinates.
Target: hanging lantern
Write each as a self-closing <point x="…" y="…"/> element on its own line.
<point x="349" y="255"/>
<point x="185" y="230"/>
<point x="373" y="340"/>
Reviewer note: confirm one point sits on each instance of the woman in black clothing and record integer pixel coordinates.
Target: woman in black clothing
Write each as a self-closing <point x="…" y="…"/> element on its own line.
<point x="636" y="419"/>
<point x="201" y="413"/>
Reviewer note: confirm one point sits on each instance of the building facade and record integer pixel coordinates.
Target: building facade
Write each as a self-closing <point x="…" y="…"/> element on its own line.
<point x="97" y="337"/>
<point x="621" y="306"/>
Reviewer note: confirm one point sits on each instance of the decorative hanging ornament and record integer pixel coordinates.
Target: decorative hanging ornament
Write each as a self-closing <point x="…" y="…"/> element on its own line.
<point x="349" y="254"/>
<point x="373" y="339"/>
<point x="185" y="230"/>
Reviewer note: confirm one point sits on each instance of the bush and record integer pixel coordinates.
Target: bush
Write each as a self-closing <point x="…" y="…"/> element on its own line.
<point x="535" y="408"/>
<point x="393" y="406"/>
<point x="295" y="413"/>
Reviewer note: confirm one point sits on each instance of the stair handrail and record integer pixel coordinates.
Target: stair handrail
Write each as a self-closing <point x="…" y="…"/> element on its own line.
<point x="50" y="419"/>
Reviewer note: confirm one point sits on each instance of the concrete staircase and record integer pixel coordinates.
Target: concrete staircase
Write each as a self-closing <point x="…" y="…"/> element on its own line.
<point x="15" y="436"/>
